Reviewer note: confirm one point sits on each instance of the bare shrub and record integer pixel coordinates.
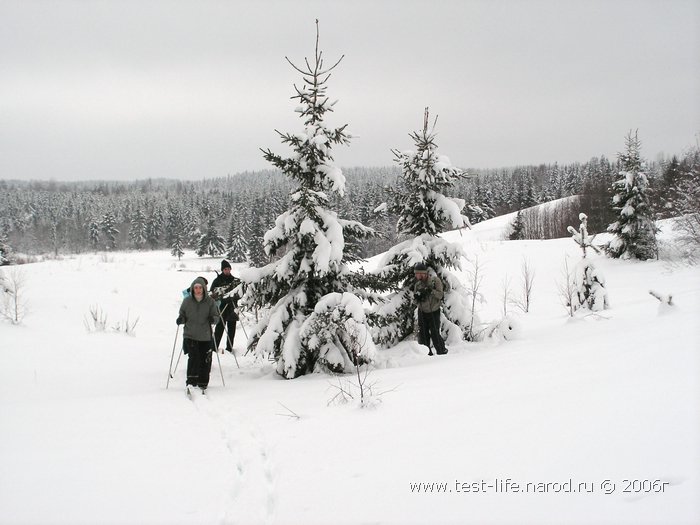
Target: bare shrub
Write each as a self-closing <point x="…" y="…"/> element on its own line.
<point x="528" y="277"/>
<point x="474" y="280"/>
<point x="567" y="288"/>
<point x="14" y="306"/>
<point x="506" y="294"/>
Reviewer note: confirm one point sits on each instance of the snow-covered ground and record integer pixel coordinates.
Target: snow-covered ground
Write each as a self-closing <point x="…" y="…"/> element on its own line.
<point x="91" y="435"/>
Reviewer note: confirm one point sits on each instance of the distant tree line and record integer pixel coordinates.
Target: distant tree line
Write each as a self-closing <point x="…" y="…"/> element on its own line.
<point x="230" y="215"/>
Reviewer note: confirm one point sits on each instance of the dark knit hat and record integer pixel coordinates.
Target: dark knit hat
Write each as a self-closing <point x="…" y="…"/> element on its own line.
<point x="420" y="268"/>
<point x="225" y="264"/>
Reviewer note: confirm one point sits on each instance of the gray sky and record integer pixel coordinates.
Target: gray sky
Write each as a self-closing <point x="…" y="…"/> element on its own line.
<point x="192" y="89"/>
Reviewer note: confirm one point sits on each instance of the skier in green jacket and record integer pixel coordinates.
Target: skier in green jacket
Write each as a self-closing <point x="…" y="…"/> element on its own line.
<point x="198" y="312"/>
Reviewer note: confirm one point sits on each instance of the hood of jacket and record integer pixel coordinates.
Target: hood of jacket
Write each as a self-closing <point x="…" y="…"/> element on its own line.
<point x="199" y="280"/>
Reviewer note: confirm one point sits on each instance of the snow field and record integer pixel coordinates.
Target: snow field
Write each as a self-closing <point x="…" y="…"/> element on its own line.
<point x="91" y="435"/>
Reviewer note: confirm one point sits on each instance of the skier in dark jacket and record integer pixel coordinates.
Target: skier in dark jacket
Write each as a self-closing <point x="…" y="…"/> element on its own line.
<point x="428" y="292"/>
<point x="223" y="284"/>
<point x="198" y="312"/>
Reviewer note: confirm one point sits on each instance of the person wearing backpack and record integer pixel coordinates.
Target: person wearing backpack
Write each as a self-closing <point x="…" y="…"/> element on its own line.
<point x="428" y="292"/>
<point x="198" y="312"/>
<point x="227" y="306"/>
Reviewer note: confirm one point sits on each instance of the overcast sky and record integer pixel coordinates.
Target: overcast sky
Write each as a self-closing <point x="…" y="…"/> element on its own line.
<point x="191" y="89"/>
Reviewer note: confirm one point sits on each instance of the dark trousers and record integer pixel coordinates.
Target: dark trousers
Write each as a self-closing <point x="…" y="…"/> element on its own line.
<point x="230" y="321"/>
<point x="198" y="362"/>
<point x="429" y="330"/>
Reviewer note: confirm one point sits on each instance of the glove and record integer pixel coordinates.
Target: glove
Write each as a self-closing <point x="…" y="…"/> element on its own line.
<point x="422" y="294"/>
<point x="180" y="320"/>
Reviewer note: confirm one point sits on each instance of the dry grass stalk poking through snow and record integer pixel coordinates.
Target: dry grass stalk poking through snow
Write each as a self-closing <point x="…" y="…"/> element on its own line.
<point x="97" y="322"/>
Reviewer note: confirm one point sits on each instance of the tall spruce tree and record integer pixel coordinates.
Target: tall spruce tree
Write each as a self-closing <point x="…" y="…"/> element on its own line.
<point x="634" y="230"/>
<point x="211" y="243"/>
<point x="109" y="228"/>
<point x="137" y="229"/>
<point x="424" y="211"/>
<point x="316" y="320"/>
<point x="94" y="233"/>
<point x="154" y="227"/>
<point x="5" y="250"/>
<point x="237" y="249"/>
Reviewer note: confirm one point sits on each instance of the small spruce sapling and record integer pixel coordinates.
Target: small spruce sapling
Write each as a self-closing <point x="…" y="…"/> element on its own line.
<point x="589" y="282"/>
<point x="581" y="236"/>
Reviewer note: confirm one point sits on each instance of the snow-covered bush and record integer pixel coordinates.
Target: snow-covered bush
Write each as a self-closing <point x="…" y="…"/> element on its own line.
<point x="507" y="329"/>
<point x="337" y="335"/>
<point x="590" y="287"/>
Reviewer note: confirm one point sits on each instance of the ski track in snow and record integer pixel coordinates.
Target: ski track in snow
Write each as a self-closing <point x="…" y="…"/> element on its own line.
<point x="251" y="494"/>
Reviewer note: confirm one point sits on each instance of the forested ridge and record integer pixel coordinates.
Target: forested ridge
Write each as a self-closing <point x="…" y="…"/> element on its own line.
<point x="38" y="217"/>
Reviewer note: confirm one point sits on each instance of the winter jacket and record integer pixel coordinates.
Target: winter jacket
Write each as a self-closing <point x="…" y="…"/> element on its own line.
<point x="229" y="303"/>
<point x="429" y="293"/>
<point x="198" y="316"/>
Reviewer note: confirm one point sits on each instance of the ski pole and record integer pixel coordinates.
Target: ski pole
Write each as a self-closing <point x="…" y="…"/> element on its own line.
<point x="225" y="326"/>
<point x="220" y="369"/>
<point x="170" y="368"/>
<point x="242" y="326"/>
<point x="177" y="363"/>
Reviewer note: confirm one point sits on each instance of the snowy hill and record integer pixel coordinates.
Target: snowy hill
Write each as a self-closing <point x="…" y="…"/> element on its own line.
<point x="574" y="408"/>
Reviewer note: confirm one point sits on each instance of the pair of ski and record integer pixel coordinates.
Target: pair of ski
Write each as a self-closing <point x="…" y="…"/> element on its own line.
<point x="193" y="392"/>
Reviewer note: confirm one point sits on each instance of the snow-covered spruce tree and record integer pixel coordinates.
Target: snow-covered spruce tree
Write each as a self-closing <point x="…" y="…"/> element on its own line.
<point x="424" y="211"/>
<point x="237" y="250"/>
<point x="518" y="227"/>
<point x="109" y="228"/>
<point x="581" y="236"/>
<point x="311" y="292"/>
<point x="211" y="243"/>
<point x="175" y="232"/>
<point x="634" y="231"/>
<point x="5" y="250"/>
<point x="94" y="233"/>
<point x="588" y="281"/>
<point x="154" y="228"/>
<point x="137" y="229"/>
